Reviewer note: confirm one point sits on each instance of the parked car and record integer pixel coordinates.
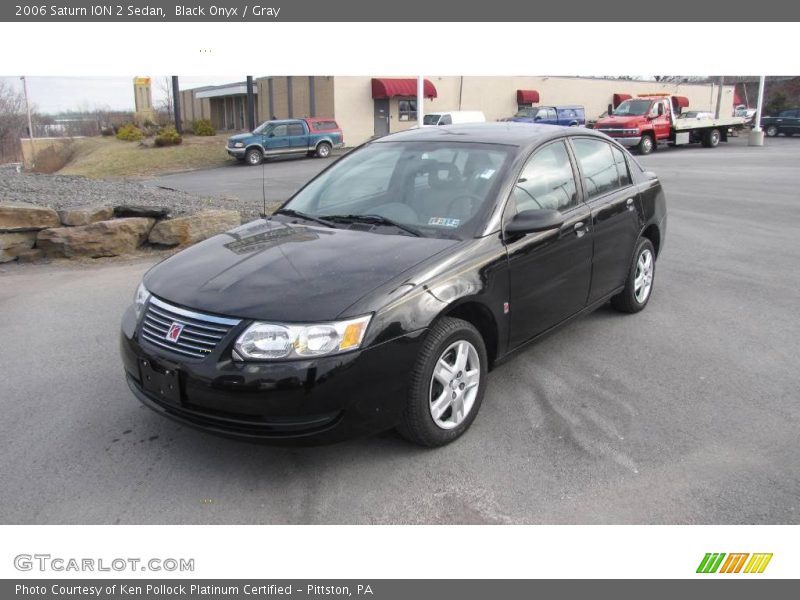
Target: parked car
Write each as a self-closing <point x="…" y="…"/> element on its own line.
<point x="569" y="116"/>
<point x="311" y="137"/>
<point x="453" y="117"/>
<point x="786" y="122"/>
<point x="385" y="290"/>
<point x="695" y="114"/>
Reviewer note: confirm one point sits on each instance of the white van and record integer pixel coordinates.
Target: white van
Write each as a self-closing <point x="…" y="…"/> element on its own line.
<point x="453" y="116"/>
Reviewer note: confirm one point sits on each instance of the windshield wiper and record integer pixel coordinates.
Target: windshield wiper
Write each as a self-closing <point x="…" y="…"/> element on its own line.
<point x="301" y="215"/>
<point x="376" y="219"/>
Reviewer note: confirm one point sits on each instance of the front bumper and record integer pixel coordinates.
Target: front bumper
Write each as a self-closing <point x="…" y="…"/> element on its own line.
<point x="629" y="141"/>
<point x="236" y="152"/>
<point x="309" y="401"/>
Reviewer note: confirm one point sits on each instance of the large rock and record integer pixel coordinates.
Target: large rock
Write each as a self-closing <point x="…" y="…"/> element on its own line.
<point x="104" y="238"/>
<point x="85" y="215"/>
<point x="14" y="244"/>
<point x="21" y="216"/>
<point x="129" y="210"/>
<point x="192" y="229"/>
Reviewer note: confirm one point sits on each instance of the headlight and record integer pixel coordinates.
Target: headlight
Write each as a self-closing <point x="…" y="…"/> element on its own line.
<point x="239" y="145"/>
<point x="266" y="341"/>
<point x="140" y="299"/>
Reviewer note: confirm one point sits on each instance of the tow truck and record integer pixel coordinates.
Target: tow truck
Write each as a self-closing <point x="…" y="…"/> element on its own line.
<point x="646" y="120"/>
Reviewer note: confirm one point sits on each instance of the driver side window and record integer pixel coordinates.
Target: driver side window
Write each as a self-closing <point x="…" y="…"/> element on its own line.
<point x="546" y="181"/>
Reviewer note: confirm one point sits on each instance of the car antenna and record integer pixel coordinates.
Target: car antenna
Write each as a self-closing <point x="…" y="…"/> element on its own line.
<point x="263" y="189"/>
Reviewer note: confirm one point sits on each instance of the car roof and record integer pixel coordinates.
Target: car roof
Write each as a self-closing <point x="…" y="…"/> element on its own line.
<point x="507" y="133"/>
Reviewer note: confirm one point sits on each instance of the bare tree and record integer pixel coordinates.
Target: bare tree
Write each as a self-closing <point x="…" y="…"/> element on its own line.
<point x="164" y="108"/>
<point x="13" y="124"/>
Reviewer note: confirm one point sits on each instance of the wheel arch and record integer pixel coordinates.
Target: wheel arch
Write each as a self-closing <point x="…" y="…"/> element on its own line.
<point x="477" y="314"/>
<point x="652" y="233"/>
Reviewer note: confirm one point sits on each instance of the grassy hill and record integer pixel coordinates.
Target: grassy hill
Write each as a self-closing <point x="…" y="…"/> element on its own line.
<point x="108" y="157"/>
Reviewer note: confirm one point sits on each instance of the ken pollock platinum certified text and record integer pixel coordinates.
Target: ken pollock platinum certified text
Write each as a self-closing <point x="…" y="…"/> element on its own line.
<point x="190" y="589"/>
<point x="46" y="562"/>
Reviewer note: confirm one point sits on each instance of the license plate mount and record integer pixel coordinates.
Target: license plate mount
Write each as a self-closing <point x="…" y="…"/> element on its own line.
<point x="161" y="380"/>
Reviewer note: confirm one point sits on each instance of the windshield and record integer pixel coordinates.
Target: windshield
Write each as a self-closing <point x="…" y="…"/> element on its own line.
<point x="438" y="189"/>
<point x="633" y="107"/>
<point x="431" y="119"/>
<point x="263" y="127"/>
<point x="527" y="112"/>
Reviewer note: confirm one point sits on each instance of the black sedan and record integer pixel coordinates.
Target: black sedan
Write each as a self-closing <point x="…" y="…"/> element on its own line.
<point x="387" y="288"/>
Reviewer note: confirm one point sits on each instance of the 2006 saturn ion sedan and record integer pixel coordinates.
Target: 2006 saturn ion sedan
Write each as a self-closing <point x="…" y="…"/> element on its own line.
<point x="382" y="293"/>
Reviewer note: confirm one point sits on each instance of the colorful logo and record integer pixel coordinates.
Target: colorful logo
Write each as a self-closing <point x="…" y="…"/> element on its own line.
<point x="174" y="332"/>
<point x="734" y="563"/>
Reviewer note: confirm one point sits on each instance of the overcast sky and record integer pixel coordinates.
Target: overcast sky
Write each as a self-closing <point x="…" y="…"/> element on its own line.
<point x="58" y="94"/>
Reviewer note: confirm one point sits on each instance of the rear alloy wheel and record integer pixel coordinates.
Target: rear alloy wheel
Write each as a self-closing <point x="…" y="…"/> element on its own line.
<point x="771" y="131"/>
<point x="639" y="284"/>
<point x="447" y="384"/>
<point x="646" y="145"/>
<point x="253" y="156"/>
<point x="711" y="138"/>
<point x="323" y="150"/>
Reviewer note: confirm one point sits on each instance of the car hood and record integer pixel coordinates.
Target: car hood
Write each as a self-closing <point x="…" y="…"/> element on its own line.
<point x="267" y="270"/>
<point x="627" y="121"/>
<point x="240" y="137"/>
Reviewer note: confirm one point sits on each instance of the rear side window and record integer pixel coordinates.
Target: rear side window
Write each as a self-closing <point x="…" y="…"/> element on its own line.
<point x="622" y="167"/>
<point x="546" y="181"/>
<point x="446" y="120"/>
<point x="296" y="129"/>
<point x="598" y="166"/>
<point x="325" y="125"/>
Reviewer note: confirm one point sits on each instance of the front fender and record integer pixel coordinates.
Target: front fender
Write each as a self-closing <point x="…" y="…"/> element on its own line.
<point x="476" y="271"/>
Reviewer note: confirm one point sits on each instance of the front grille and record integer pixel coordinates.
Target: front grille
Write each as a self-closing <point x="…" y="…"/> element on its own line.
<point x="200" y="335"/>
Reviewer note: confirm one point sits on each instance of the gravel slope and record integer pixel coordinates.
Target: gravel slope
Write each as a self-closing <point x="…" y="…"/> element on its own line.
<point x="66" y="191"/>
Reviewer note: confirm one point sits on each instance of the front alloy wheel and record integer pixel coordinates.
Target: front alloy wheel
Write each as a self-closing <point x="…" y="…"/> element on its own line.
<point x="646" y="145"/>
<point x="253" y="157"/>
<point x="454" y="384"/>
<point x="447" y="384"/>
<point x="771" y="131"/>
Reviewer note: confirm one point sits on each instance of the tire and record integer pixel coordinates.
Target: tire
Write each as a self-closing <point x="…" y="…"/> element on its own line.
<point x="711" y="138"/>
<point x="632" y="299"/>
<point x="253" y="157"/>
<point x="323" y="150"/>
<point x="646" y="145"/>
<point x="771" y="131"/>
<point x="789" y="133"/>
<point x="428" y="386"/>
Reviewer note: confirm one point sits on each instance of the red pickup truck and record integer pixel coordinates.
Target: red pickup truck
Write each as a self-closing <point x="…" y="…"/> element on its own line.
<point x="647" y="120"/>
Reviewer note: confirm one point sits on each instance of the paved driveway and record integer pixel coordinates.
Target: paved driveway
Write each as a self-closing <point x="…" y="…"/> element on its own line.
<point x="686" y="413"/>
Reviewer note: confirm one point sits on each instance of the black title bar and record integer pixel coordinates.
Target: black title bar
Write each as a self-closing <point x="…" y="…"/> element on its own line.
<point x="415" y="11"/>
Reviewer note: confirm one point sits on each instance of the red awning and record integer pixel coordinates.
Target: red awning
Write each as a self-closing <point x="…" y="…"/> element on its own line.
<point x="619" y="99"/>
<point x="527" y="96"/>
<point x="389" y="88"/>
<point x="681" y="101"/>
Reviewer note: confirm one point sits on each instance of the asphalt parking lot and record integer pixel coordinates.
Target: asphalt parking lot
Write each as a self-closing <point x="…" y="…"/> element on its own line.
<point x="688" y="412"/>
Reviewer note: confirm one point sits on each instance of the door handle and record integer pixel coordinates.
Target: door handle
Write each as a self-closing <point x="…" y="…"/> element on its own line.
<point x="579" y="228"/>
<point x="629" y="203"/>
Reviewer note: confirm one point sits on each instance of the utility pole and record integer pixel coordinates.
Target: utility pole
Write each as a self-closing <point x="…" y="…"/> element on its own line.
<point x="30" y="121"/>
<point x="420" y="100"/>
<point x="721" y="81"/>
<point x="251" y="105"/>
<point x="756" y="134"/>
<point x="176" y="104"/>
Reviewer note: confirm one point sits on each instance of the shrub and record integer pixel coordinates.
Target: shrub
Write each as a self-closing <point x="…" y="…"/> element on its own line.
<point x="168" y="136"/>
<point x="129" y="133"/>
<point x="203" y="127"/>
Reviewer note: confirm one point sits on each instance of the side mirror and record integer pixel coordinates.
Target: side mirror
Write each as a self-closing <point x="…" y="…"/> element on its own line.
<point x="271" y="134"/>
<point x="531" y="221"/>
<point x="537" y="118"/>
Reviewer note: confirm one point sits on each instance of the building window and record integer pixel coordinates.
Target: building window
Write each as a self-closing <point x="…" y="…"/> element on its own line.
<point x="407" y="110"/>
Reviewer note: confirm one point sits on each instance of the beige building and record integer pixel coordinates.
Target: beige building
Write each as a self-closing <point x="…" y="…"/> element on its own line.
<point x="371" y="106"/>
